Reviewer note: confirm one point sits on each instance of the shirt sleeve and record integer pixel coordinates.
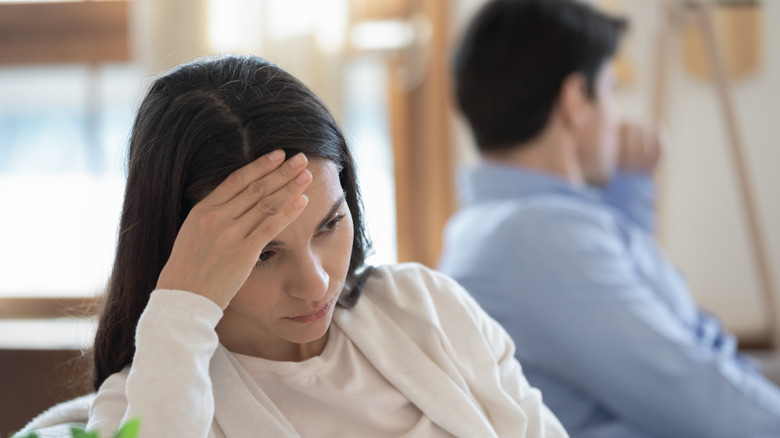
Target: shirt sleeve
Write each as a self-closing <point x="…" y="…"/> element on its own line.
<point x="633" y="194"/>
<point x="596" y="323"/>
<point x="168" y="385"/>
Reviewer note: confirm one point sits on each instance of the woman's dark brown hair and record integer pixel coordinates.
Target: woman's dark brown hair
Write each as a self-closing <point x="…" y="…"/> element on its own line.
<point x="196" y="125"/>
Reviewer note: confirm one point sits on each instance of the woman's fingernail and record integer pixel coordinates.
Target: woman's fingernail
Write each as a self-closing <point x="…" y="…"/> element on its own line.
<point x="300" y="201"/>
<point x="303" y="177"/>
<point x="297" y="161"/>
<point x="277" y="155"/>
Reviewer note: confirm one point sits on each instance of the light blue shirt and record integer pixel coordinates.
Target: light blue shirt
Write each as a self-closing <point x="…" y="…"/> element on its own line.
<point x="604" y="325"/>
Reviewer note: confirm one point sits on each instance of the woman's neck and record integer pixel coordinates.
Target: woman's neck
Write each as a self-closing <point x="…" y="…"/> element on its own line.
<point x="256" y="343"/>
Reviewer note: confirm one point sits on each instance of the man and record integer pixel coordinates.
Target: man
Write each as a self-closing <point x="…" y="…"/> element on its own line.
<point x="555" y="238"/>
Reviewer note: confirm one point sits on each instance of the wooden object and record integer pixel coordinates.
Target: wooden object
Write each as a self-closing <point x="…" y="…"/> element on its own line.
<point x="364" y="10"/>
<point x="44" y="307"/>
<point x="418" y="98"/>
<point x="34" y="380"/>
<point x="64" y="32"/>
<point x="737" y="29"/>
<point x="757" y="237"/>
<point x="422" y="152"/>
<point x="721" y="43"/>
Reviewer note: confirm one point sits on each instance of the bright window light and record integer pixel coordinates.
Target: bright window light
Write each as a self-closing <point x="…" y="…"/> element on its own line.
<point x="236" y="26"/>
<point x="381" y="35"/>
<point x="47" y="334"/>
<point x="63" y="137"/>
<point x="368" y="133"/>
<point x="291" y="18"/>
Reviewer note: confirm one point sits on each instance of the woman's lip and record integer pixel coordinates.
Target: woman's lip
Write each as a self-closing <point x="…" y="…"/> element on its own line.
<point x="311" y="317"/>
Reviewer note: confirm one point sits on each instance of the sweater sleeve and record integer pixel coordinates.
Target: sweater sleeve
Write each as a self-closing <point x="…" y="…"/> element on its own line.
<point x="168" y="385"/>
<point x="542" y="422"/>
<point x="511" y="386"/>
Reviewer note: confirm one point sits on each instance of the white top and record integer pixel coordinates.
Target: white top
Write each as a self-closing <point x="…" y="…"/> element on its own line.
<point x="418" y="329"/>
<point x="339" y="394"/>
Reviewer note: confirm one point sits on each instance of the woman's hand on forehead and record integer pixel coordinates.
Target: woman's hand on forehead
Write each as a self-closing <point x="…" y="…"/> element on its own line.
<point x="223" y="235"/>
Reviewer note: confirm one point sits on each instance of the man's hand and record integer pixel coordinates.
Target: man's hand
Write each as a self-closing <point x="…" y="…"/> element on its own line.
<point x="640" y="147"/>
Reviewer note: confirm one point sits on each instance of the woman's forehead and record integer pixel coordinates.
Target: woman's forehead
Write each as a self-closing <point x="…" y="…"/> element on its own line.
<point x="325" y="179"/>
<point x="325" y="197"/>
<point x="324" y="192"/>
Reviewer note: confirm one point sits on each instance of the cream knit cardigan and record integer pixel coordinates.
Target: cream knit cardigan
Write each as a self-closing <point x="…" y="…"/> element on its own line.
<point x="420" y="330"/>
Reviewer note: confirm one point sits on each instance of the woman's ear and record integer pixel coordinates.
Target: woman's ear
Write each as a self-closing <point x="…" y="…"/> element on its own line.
<point x="573" y="101"/>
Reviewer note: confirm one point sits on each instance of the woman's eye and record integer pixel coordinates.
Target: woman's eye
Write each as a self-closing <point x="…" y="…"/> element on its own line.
<point x="332" y="224"/>
<point x="264" y="256"/>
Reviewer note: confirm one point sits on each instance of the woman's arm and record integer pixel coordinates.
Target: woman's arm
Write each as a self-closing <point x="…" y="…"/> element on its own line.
<point x="175" y="341"/>
<point x="541" y="421"/>
<point x="497" y="357"/>
<point x="168" y="385"/>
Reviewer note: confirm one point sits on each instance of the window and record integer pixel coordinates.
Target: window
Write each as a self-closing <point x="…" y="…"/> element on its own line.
<point x="68" y="90"/>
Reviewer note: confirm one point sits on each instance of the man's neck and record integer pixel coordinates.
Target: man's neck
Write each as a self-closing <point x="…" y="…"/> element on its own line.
<point x="552" y="152"/>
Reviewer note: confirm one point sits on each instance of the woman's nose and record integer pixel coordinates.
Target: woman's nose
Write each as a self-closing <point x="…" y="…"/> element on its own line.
<point x="310" y="280"/>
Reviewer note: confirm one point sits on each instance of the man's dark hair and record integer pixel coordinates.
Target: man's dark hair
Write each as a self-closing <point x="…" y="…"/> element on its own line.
<point x="514" y="57"/>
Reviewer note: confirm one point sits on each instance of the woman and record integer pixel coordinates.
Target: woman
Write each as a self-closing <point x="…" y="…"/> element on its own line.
<point x="239" y="304"/>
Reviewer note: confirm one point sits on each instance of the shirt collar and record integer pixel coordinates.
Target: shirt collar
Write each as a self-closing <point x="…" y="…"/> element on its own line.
<point x="490" y="181"/>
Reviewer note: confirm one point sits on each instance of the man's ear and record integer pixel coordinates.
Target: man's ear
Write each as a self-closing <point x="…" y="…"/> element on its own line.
<point x="573" y="102"/>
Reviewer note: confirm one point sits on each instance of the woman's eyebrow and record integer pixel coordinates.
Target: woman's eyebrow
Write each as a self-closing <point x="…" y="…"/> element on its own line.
<point x="336" y="206"/>
<point x="333" y="209"/>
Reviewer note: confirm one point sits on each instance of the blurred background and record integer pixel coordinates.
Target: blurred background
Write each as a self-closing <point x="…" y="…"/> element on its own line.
<point x="72" y="74"/>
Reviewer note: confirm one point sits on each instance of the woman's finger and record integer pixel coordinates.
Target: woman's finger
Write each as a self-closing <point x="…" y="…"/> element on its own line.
<point x="276" y="204"/>
<point x="266" y="186"/>
<point x="267" y="229"/>
<point x="239" y="180"/>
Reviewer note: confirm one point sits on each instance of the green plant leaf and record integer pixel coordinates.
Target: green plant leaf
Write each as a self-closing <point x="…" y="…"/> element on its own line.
<point x="78" y="432"/>
<point x="129" y="429"/>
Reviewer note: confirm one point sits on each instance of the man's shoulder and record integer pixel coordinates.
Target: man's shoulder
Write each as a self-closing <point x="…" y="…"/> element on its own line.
<point x="555" y="206"/>
<point x="529" y="215"/>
